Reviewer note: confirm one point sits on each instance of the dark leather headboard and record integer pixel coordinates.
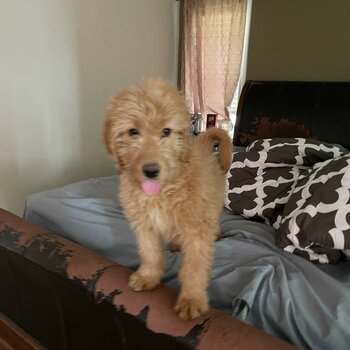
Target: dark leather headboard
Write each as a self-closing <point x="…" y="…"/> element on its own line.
<point x="319" y="110"/>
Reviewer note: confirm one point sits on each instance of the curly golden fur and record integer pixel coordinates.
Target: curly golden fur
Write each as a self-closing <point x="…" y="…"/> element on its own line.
<point x="172" y="186"/>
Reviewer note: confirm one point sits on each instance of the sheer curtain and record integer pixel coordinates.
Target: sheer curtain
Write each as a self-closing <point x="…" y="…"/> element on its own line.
<point x="212" y="34"/>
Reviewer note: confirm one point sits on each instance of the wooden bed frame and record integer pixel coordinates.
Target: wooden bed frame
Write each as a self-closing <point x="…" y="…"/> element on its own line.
<point x="318" y="110"/>
<point x="67" y="297"/>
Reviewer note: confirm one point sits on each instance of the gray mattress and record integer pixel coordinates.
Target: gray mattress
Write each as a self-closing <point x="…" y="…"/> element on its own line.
<point x="252" y="279"/>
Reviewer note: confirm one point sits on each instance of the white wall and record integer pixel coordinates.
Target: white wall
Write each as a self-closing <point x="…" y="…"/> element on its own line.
<point x="60" y="63"/>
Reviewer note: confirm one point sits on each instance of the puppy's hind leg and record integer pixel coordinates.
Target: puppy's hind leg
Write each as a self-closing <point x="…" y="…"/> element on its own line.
<point x="194" y="275"/>
<point x="151" y="269"/>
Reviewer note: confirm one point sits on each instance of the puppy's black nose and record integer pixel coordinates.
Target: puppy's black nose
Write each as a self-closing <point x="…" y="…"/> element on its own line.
<point x="151" y="170"/>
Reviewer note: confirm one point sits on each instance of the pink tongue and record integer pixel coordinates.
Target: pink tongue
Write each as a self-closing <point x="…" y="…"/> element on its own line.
<point x="151" y="187"/>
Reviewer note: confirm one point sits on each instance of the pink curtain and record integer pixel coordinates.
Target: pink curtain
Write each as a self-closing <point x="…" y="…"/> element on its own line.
<point x="212" y="45"/>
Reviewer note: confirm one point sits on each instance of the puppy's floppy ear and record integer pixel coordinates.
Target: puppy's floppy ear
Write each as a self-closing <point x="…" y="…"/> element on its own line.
<point x="107" y="135"/>
<point x="108" y="141"/>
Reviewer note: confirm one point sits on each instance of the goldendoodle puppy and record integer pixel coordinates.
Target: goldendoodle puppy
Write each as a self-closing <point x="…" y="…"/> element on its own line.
<point x="172" y="186"/>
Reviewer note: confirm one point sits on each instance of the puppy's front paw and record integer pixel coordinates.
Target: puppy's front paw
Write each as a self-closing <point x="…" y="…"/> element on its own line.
<point x="139" y="282"/>
<point x="190" y="308"/>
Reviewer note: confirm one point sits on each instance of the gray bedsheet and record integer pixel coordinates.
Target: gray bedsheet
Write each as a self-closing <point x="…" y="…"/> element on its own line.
<point x="252" y="279"/>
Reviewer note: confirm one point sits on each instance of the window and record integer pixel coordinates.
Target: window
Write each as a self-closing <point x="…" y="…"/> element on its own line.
<point x="212" y="35"/>
<point x="232" y="108"/>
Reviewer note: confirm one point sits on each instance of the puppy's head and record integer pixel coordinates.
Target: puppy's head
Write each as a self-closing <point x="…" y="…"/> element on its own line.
<point x="146" y="131"/>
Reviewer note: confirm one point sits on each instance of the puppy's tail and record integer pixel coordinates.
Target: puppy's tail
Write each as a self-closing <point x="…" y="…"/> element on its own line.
<point x="216" y="140"/>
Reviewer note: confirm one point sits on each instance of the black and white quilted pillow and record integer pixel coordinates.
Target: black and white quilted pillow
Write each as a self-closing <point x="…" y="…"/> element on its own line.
<point x="301" y="187"/>
<point x="316" y="219"/>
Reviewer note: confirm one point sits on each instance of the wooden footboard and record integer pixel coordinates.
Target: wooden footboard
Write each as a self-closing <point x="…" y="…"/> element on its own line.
<point x="68" y="297"/>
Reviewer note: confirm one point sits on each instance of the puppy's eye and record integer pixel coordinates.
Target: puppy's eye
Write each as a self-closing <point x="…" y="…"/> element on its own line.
<point x="166" y="132"/>
<point x="133" y="132"/>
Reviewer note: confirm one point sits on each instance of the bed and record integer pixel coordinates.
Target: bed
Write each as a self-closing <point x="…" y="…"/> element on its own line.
<point x="253" y="279"/>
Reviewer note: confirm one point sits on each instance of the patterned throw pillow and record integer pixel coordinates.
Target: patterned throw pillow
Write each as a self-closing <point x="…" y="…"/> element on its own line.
<point x="278" y="180"/>
<point x="315" y="220"/>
